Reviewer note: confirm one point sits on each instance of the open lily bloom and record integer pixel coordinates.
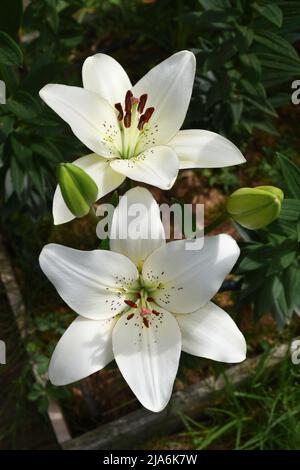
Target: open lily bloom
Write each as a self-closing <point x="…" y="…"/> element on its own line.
<point x="142" y="303"/>
<point x="134" y="131"/>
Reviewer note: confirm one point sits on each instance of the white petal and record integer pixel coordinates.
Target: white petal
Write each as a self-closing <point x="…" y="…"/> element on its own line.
<point x="91" y="118"/>
<point x="104" y="75"/>
<point x="169" y="87"/>
<point x="136" y="226"/>
<point x="148" y="357"/>
<point x="210" y="332"/>
<point x="205" y="149"/>
<point x="88" y="281"/>
<point x="102" y="173"/>
<point x="189" y="278"/>
<point x="84" y="348"/>
<point x="157" y="166"/>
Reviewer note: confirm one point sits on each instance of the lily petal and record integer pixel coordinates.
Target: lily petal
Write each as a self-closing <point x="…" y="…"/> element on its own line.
<point x="88" y="281"/>
<point x="210" y="332"/>
<point x="136" y="226"/>
<point x="90" y="117"/>
<point x="102" y="74"/>
<point x="169" y="87"/>
<point x="99" y="169"/>
<point x="157" y="166"/>
<point x="205" y="149"/>
<point x="148" y="357"/>
<point x="84" y="348"/>
<point x="189" y="278"/>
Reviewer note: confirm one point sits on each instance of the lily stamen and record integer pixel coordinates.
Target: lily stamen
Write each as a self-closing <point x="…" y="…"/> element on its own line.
<point x="128" y="104"/>
<point x="119" y="108"/>
<point x="142" y="102"/>
<point x="156" y="312"/>
<point x="127" y="119"/>
<point x="145" y="118"/>
<point x="130" y="303"/>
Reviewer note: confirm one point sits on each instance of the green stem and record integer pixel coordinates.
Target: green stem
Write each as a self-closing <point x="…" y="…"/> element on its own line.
<point x="215" y="223"/>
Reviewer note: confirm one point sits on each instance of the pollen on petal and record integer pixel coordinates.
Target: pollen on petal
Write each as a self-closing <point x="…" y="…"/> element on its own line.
<point x="146" y="322"/>
<point x="130" y="316"/>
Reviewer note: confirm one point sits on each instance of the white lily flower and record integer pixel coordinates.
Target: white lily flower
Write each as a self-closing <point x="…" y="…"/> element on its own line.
<point x="134" y="131"/>
<point x="141" y="304"/>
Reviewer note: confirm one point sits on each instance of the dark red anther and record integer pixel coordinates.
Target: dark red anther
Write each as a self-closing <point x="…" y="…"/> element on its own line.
<point x="149" y="299"/>
<point x="145" y="118"/>
<point x="156" y="312"/>
<point x="148" y="113"/>
<point x="141" y="123"/>
<point x="119" y="108"/>
<point x="146" y="322"/>
<point x="130" y="303"/>
<point x="138" y="295"/>
<point x="141" y="106"/>
<point x="127" y="119"/>
<point x="130" y="316"/>
<point x="128" y="98"/>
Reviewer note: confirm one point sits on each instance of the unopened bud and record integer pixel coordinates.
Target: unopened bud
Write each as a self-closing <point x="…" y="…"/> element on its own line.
<point x="255" y="208"/>
<point x="78" y="189"/>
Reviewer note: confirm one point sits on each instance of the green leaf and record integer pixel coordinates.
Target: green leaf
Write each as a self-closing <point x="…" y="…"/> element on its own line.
<point x="237" y="110"/>
<point x="290" y="210"/>
<point x="10" y="53"/>
<point x="214" y="4"/>
<point x="251" y="65"/>
<point x="11" y="16"/>
<point x="291" y="174"/>
<point x="9" y="74"/>
<point x="282" y="313"/>
<point x="264" y="297"/>
<point x="266" y="126"/>
<point x="209" y="19"/>
<point x="278" y="62"/>
<point x="291" y="282"/>
<point x="48" y="151"/>
<point x="276" y="43"/>
<point x="24" y="106"/>
<point x="21" y="152"/>
<point x="271" y="12"/>
<point x="217" y="58"/>
<point x="283" y="256"/>
<point x="17" y="176"/>
<point x="262" y="105"/>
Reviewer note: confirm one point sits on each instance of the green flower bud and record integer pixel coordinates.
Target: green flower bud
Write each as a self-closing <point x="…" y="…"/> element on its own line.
<point x="78" y="189"/>
<point x="255" y="208"/>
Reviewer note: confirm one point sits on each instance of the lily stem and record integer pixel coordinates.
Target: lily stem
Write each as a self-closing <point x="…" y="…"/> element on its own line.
<point x="215" y="223"/>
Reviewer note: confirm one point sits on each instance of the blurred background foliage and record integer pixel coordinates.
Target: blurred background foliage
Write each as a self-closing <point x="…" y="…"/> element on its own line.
<point x="247" y="57"/>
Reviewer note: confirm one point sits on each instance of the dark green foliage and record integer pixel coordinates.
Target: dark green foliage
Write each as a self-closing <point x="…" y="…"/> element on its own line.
<point x="270" y="261"/>
<point x="244" y="55"/>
